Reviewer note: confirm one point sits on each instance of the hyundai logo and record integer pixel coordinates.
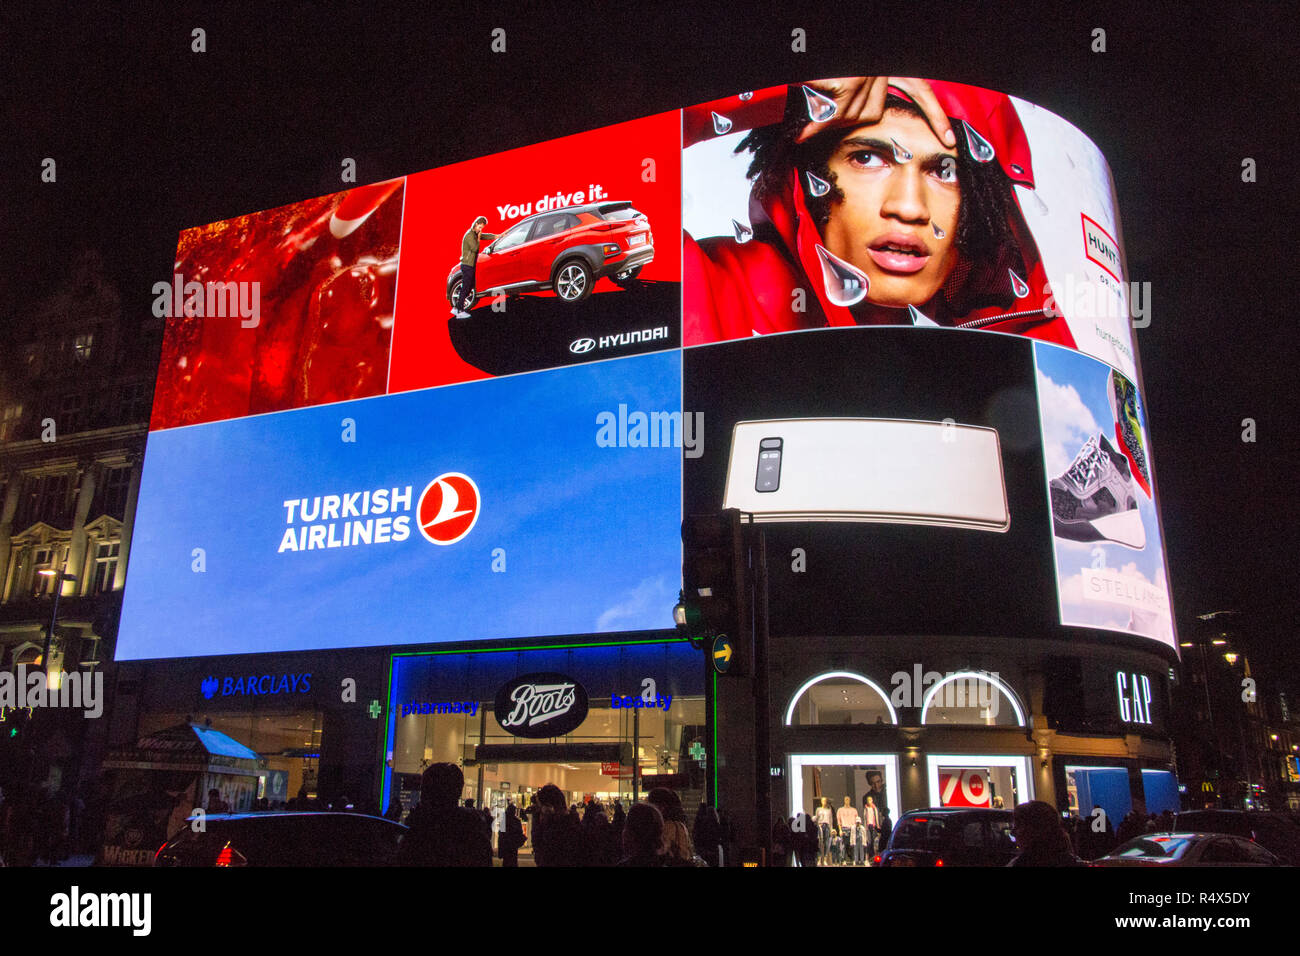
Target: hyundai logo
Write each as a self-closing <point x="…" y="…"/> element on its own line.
<point x="578" y="346"/>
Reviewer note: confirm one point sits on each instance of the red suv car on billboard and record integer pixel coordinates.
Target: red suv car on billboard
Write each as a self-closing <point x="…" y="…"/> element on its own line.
<point x="563" y="250"/>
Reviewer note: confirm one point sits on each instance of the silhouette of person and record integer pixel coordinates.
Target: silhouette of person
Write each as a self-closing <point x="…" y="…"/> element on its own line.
<point x="441" y="833"/>
<point x="1041" y="837"/>
<point x="643" y="837"/>
<point x="512" y="838"/>
<point x="558" y="838"/>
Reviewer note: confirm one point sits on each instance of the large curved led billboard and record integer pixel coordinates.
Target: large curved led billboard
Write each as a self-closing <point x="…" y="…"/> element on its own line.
<point x="887" y="317"/>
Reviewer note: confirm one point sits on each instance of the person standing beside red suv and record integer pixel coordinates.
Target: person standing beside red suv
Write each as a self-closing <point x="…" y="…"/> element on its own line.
<point x="469" y="247"/>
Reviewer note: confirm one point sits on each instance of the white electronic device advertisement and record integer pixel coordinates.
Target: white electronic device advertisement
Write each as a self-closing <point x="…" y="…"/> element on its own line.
<point x="857" y="219"/>
<point x="1110" y="566"/>
<point x="868" y="469"/>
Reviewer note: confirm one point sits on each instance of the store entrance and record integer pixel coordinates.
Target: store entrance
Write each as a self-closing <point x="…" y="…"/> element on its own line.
<point x="589" y="787"/>
<point x="850" y="800"/>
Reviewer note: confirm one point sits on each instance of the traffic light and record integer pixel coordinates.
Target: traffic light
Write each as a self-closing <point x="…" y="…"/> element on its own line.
<point x="715" y="575"/>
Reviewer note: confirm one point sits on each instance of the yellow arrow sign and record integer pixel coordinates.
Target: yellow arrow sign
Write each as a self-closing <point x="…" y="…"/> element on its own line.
<point x="724" y="654"/>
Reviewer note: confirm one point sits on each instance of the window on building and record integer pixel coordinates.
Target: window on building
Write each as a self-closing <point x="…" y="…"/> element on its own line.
<point x="133" y="402"/>
<point x="88" y="649"/>
<point x="10" y="421"/>
<point x="839" y="697"/>
<point x="45" y="498"/>
<point x="971" y="698"/>
<point x="42" y="560"/>
<point x="72" y="413"/>
<point x="106" y="557"/>
<point x="113" y="487"/>
<point x="81" y="346"/>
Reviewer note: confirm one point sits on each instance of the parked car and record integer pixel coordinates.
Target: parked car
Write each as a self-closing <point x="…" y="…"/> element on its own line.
<point x="304" y="838"/>
<point x="950" y="836"/>
<point x="1188" y="849"/>
<point x="1276" y="832"/>
<point x="563" y="250"/>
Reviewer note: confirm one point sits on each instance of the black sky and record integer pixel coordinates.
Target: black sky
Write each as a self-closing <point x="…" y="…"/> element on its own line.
<point x="150" y="138"/>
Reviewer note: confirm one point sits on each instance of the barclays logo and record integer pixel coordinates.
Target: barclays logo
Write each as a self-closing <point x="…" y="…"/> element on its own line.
<point x="580" y="346"/>
<point x="255" y="685"/>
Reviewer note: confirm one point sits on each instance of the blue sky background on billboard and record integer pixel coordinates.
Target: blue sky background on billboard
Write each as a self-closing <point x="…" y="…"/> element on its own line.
<point x="590" y="534"/>
<point x="1073" y="395"/>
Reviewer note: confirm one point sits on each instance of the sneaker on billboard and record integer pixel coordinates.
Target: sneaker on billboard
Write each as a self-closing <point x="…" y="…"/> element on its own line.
<point x="1094" y="499"/>
<point x="1128" y="430"/>
<point x="460" y="314"/>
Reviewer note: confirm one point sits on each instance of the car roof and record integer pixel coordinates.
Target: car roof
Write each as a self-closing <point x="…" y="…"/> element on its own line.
<point x="1181" y="835"/>
<point x="605" y="205"/>
<point x="279" y="814"/>
<point x="948" y="811"/>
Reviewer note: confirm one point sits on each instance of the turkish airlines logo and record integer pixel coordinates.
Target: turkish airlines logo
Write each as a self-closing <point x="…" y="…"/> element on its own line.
<point x="448" y="508"/>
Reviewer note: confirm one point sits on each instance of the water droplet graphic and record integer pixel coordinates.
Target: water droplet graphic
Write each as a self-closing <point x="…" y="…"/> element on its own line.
<point x="900" y="152"/>
<point x="1017" y="169"/>
<point x="1018" y="285"/>
<point x="938" y="233"/>
<point x="746" y="96"/>
<point x="743" y="232"/>
<point x="845" y="284"/>
<point x="920" y="318"/>
<point x="816" y="185"/>
<point x="721" y="124"/>
<point x="980" y="148"/>
<point x="820" y="107"/>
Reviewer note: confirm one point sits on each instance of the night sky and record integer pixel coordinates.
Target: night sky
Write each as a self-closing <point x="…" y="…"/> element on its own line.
<point x="150" y="138"/>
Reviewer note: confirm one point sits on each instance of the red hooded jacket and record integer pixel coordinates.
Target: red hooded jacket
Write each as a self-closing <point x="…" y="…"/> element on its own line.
<point x="737" y="289"/>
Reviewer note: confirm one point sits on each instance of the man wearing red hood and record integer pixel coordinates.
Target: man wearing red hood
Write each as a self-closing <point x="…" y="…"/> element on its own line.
<point x="876" y="201"/>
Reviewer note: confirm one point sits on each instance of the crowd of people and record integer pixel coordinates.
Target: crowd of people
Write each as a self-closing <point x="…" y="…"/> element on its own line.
<point x="654" y="832"/>
<point x="1094" y="835"/>
<point x="45" y="825"/>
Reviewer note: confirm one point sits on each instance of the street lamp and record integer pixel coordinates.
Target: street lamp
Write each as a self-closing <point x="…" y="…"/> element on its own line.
<point x="61" y="575"/>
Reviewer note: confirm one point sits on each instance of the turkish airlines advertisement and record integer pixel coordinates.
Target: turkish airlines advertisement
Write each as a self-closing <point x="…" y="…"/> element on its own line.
<point x="900" y="201"/>
<point x="489" y="510"/>
<point x="1110" y="565"/>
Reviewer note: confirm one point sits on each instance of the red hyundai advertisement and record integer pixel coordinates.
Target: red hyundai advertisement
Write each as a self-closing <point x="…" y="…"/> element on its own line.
<point x="280" y="309"/>
<point x="563" y="252"/>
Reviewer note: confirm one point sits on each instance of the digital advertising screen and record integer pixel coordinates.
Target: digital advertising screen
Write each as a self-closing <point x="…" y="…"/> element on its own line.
<point x="280" y="309"/>
<point x="475" y="403"/>
<point x="483" y="511"/>
<point x="1105" y="531"/>
<point x="836" y="203"/>
<point x="579" y="258"/>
